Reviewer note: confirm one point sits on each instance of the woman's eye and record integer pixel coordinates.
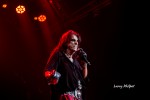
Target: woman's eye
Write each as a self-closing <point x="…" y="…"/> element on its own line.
<point x="72" y="40"/>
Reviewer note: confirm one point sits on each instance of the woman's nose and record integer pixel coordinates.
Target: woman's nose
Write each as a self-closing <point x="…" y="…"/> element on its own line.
<point x="76" y="42"/>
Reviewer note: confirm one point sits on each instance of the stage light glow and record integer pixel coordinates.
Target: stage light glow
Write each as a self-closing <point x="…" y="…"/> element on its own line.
<point x="20" y="9"/>
<point x="42" y="18"/>
<point x="35" y="18"/>
<point x="50" y="1"/>
<point x="4" y="5"/>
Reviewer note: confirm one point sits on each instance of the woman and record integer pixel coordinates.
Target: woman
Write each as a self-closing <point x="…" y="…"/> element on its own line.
<point x="65" y="70"/>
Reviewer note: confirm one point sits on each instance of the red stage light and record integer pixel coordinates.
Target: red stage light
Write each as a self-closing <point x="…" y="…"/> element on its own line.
<point x="4" y="5"/>
<point x="20" y="9"/>
<point x="42" y="18"/>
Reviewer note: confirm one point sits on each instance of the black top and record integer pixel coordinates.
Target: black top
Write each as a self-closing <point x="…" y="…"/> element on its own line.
<point x="70" y="73"/>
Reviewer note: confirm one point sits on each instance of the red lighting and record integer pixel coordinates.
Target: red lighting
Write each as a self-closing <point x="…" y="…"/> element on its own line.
<point x="35" y="18"/>
<point x="20" y="9"/>
<point x="42" y="18"/>
<point x="4" y="5"/>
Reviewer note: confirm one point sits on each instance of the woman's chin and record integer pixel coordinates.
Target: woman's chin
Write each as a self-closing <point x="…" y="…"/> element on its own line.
<point x="75" y="50"/>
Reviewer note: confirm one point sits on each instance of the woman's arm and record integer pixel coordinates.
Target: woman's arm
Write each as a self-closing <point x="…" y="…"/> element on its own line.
<point x="85" y="69"/>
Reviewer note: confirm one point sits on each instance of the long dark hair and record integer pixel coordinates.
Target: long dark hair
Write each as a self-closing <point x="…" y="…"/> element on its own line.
<point x="65" y="38"/>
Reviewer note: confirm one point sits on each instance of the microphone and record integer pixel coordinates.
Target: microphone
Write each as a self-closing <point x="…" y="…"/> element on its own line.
<point x="83" y="56"/>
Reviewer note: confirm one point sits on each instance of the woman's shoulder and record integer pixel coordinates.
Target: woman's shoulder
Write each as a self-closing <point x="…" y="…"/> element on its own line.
<point x="59" y="54"/>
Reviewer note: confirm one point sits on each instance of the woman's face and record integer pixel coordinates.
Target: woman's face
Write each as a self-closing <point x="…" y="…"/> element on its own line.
<point x="73" y="43"/>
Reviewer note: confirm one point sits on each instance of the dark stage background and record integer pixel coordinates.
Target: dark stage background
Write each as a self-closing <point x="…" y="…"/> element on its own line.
<point x="25" y="44"/>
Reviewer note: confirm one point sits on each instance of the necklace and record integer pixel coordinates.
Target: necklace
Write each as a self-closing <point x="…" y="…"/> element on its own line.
<point x="69" y="56"/>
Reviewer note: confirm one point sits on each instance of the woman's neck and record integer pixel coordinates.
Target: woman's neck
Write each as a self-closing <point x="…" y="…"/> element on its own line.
<point x="69" y="53"/>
